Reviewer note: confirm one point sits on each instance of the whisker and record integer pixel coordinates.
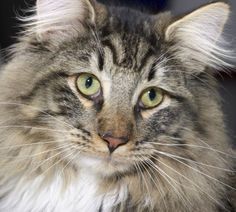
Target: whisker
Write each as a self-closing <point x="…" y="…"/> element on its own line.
<point x="207" y="145"/>
<point x="32" y="144"/>
<point x="194" y="146"/>
<point x="144" y="179"/>
<point x="34" y="155"/>
<point x="197" y="186"/>
<point x="143" y="185"/>
<point x="166" y="154"/>
<point x="37" y="109"/>
<point x="67" y="164"/>
<point x="44" y="161"/>
<point x="159" y="188"/>
<point x="203" y="164"/>
<point x="150" y="178"/>
<point x="169" y="180"/>
<point x="32" y="127"/>
<point x="186" y="159"/>
<point x="63" y="158"/>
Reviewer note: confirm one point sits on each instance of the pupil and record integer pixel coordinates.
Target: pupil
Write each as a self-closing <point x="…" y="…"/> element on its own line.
<point x="89" y="82"/>
<point x="152" y="94"/>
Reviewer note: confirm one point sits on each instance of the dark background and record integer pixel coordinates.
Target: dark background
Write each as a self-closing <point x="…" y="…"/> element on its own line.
<point x="9" y="28"/>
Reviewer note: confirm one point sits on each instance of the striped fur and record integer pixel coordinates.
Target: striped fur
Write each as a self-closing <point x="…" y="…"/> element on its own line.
<point x="52" y="157"/>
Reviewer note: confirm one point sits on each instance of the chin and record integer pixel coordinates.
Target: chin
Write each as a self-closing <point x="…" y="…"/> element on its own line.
<point x="104" y="166"/>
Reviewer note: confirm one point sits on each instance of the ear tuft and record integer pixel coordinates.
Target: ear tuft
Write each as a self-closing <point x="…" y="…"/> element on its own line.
<point x="197" y="37"/>
<point x="57" y="20"/>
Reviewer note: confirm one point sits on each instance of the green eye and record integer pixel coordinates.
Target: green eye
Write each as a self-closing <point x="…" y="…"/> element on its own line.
<point x="151" y="98"/>
<point x="88" y="85"/>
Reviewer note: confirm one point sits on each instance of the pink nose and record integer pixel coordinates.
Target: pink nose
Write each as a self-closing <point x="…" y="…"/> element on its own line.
<point x="113" y="143"/>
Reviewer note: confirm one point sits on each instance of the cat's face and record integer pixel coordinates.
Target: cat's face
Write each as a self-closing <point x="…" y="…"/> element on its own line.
<point x="116" y="94"/>
<point x="115" y="101"/>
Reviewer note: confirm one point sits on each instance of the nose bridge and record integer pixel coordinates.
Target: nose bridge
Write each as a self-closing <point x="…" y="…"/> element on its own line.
<point x="122" y="126"/>
<point x="116" y="119"/>
<point x="116" y="123"/>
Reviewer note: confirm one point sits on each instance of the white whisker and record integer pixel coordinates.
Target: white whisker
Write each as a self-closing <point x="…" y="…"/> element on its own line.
<point x="33" y="144"/>
<point x="186" y="178"/>
<point x="55" y="155"/>
<point x="37" y="109"/>
<point x="35" y="128"/>
<point x="202" y="173"/>
<point x="34" y="155"/>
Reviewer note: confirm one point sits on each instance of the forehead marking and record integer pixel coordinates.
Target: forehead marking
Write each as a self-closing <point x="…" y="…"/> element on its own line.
<point x="152" y="71"/>
<point x="149" y="53"/>
<point x="108" y="44"/>
<point x="100" y="60"/>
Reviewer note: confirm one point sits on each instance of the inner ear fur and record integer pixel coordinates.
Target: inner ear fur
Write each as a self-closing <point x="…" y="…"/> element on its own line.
<point x="197" y="37"/>
<point x="58" y="20"/>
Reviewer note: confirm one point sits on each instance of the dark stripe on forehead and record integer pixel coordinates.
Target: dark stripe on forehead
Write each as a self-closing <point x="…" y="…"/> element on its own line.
<point x="129" y="46"/>
<point x="145" y="58"/>
<point x="100" y="60"/>
<point x="151" y="74"/>
<point x="107" y="43"/>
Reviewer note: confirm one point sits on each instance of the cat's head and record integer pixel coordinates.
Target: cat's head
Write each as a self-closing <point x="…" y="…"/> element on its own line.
<point x="114" y="89"/>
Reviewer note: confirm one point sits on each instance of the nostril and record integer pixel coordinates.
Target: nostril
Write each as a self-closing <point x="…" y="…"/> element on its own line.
<point x="104" y="135"/>
<point x="125" y="139"/>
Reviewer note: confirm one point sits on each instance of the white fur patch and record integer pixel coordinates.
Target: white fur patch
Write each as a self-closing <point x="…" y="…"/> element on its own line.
<point x="79" y="196"/>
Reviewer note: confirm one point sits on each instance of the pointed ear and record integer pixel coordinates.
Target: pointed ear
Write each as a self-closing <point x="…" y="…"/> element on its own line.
<point x="58" y="20"/>
<point x="197" y="38"/>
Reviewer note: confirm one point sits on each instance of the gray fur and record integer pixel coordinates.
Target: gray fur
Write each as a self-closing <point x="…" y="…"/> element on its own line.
<point x="38" y="104"/>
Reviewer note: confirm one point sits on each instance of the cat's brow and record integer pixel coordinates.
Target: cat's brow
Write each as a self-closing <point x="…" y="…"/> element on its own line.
<point x="152" y="71"/>
<point x="145" y="59"/>
<point x="108" y="44"/>
<point x="100" y="60"/>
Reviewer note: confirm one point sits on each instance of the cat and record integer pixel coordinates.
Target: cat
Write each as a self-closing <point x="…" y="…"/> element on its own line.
<point x="108" y="108"/>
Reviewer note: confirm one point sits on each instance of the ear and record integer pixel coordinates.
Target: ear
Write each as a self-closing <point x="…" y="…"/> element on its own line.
<point x="197" y="38"/>
<point x="58" y="20"/>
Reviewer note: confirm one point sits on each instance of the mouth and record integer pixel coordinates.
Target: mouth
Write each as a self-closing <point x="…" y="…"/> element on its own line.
<point x="105" y="164"/>
<point x="105" y="157"/>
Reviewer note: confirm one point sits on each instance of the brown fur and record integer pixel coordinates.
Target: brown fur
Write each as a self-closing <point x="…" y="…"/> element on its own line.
<point x="177" y="158"/>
